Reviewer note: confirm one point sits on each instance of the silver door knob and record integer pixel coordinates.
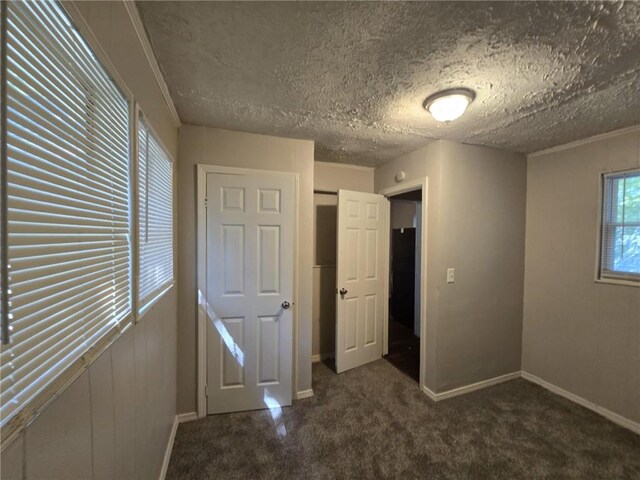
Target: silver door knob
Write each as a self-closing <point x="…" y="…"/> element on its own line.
<point x="286" y="305"/>
<point x="343" y="291"/>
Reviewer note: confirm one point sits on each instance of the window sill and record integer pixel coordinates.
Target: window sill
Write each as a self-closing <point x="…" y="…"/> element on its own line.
<point x="148" y="306"/>
<point x="618" y="281"/>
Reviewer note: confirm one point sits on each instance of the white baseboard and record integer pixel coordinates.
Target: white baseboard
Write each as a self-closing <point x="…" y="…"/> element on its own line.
<point x="187" y="417"/>
<point x="436" y="397"/>
<point x="169" y="449"/>
<point x="430" y="394"/>
<point x="320" y="357"/>
<point x="304" y="394"/>
<point x="614" y="417"/>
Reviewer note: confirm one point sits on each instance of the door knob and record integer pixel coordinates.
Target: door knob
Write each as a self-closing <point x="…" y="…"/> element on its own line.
<point x="343" y="291"/>
<point x="286" y="305"/>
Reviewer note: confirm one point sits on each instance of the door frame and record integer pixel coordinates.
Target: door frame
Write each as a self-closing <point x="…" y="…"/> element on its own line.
<point x="418" y="184"/>
<point x="202" y="170"/>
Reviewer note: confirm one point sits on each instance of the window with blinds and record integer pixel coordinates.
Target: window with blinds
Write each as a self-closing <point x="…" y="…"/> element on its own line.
<point x="155" y="189"/>
<point x="66" y="180"/>
<point x="620" y="245"/>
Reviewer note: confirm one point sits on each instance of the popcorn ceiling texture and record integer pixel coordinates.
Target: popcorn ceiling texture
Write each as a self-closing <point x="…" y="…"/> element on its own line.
<point x="352" y="76"/>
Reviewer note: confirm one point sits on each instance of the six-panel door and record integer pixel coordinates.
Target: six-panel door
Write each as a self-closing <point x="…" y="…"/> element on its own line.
<point x="249" y="274"/>
<point x="360" y="278"/>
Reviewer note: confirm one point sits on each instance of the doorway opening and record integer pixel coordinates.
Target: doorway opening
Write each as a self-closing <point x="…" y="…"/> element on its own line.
<point x="404" y="319"/>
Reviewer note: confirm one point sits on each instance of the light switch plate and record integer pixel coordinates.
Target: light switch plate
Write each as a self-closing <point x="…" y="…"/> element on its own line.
<point x="451" y="275"/>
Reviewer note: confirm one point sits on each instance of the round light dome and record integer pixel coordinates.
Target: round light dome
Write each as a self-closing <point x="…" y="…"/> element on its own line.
<point x="448" y="105"/>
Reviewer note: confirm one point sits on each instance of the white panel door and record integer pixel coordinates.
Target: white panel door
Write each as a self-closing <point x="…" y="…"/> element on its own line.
<point x="249" y="290"/>
<point x="360" y="308"/>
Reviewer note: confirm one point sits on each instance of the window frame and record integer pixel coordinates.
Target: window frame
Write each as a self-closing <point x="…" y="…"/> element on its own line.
<point x="602" y="275"/>
<point x="29" y="410"/>
<point x="32" y="409"/>
<point x="143" y="307"/>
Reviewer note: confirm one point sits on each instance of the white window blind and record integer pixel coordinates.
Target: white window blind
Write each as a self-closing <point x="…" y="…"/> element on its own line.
<point x="68" y="221"/>
<point x="155" y="179"/>
<point x="620" y="246"/>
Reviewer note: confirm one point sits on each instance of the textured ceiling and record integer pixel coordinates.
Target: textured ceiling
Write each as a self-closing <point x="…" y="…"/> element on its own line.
<point x="353" y="75"/>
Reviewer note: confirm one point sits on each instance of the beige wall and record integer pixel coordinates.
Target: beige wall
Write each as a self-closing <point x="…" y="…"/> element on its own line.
<point x="203" y="145"/>
<point x="579" y="335"/>
<point x="114" y="421"/>
<point x="329" y="177"/>
<point x="475" y="224"/>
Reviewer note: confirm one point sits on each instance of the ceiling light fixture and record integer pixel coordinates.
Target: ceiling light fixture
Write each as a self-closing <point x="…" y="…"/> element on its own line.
<point x="448" y="105"/>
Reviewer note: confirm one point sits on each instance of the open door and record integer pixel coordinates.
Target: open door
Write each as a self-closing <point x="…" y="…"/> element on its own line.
<point x="363" y="220"/>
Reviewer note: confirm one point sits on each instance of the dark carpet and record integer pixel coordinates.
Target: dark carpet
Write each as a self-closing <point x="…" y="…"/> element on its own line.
<point x="404" y="350"/>
<point x="373" y="422"/>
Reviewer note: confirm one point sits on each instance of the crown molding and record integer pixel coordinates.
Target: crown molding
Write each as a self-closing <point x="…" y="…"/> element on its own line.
<point x="585" y="141"/>
<point x="141" y="33"/>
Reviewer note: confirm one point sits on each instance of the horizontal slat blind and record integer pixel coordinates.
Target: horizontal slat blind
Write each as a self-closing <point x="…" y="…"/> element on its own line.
<point x="68" y="234"/>
<point x="155" y="177"/>
<point x="621" y="225"/>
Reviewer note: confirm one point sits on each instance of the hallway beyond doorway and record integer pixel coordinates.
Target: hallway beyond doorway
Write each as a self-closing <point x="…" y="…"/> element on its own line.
<point x="404" y="350"/>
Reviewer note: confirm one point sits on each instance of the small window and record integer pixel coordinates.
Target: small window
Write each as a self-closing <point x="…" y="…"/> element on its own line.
<point x="155" y="187"/>
<point x="620" y="252"/>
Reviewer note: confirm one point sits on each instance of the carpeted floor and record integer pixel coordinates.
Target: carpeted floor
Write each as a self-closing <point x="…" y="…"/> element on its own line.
<point x="373" y="422"/>
<point x="404" y="350"/>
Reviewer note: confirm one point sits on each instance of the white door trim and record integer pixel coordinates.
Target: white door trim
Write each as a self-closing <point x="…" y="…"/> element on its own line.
<point x="201" y="180"/>
<point x="423" y="184"/>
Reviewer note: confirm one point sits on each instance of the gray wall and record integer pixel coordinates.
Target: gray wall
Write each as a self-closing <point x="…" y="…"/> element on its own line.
<point x="425" y="162"/>
<point x="482" y="232"/>
<point x="113" y="421"/>
<point x="203" y="145"/>
<point x="579" y="335"/>
<point x="329" y="177"/>
<point x="475" y="224"/>
<point x="403" y="213"/>
<point x="325" y="212"/>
